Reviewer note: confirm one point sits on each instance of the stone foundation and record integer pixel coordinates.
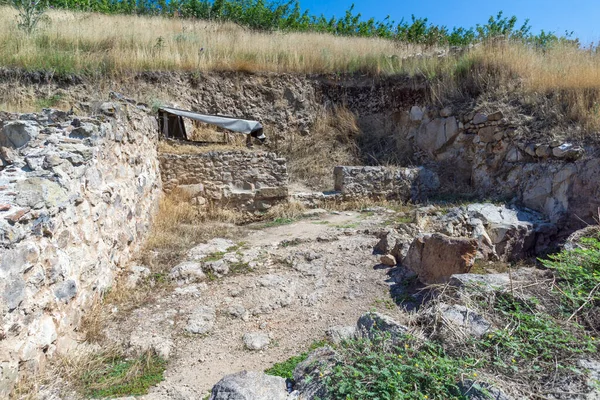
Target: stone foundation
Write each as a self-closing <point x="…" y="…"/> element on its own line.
<point x="389" y="182"/>
<point x="76" y="199"/>
<point x="241" y="180"/>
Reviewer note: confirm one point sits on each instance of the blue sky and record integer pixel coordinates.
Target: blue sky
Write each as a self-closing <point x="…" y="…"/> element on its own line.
<point x="581" y="16"/>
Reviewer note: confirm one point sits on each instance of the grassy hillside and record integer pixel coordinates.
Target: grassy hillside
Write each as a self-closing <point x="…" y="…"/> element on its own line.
<point x="561" y="77"/>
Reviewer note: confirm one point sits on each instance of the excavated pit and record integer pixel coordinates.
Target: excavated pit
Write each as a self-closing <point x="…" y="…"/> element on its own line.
<point x="76" y="198"/>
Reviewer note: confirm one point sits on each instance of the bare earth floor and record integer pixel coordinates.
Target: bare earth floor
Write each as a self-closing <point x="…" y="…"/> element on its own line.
<point x="307" y="277"/>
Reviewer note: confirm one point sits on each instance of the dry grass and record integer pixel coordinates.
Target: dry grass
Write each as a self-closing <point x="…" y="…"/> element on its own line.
<point x="558" y="87"/>
<point x="75" y="41"/>
<point x="27" y="388"/>
<point x="288" y="210"/>
<point x="331" y="142"/>
<point x="179" y="225"/>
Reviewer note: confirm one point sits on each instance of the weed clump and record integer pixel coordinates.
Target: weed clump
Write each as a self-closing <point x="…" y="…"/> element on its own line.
<point x="406" y="369"/>
<point x="110" y="374"/>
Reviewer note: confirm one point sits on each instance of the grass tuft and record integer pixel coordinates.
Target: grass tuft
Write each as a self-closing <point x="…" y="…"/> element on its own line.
<point x="110" y="374"/>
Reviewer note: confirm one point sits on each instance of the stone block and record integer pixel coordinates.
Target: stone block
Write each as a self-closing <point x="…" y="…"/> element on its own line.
<point x="435" y="258"/>
<point x="17" y="134"/>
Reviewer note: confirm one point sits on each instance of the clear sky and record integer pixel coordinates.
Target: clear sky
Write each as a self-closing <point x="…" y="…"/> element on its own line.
<point x="581" y="16"/>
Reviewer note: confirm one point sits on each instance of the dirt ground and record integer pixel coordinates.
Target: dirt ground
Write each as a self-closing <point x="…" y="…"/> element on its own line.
<point x="306" y="277"/>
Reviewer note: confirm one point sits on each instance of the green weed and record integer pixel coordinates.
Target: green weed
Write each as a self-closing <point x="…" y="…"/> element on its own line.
<point x="286" y="368"/>
<point x="532" y="342"/>
<point x="578" y="275"/>
<point x="239" y="268"/>
<point x="48" y="102"/>
<point x="118" y="376"/>
<point x="216" y="256"/>
<point x="376" y="369"/>
<point x="277" y="222"/>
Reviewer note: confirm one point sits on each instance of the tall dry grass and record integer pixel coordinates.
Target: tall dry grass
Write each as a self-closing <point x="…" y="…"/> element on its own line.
<point x="557" y="86"/>
<point x="74" y="41"/>
<point x="331" y="142"/>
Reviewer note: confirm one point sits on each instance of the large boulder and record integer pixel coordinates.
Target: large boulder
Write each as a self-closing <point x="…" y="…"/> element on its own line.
<point x="248" y="385"/>
<point x="512" y="232"/>
<point x="435" y="258"/>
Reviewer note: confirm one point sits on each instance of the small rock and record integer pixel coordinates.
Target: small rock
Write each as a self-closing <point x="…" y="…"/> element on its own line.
<point x="189" y="272"/>
<point x="201" y="321"/>
<point x="568" y="151"/>
<point x="5" y="207"/>
<point x="66" y="290"/>
<point x="247" y="385"/>
<point x="416" y="113"/>
<point x="480" y="391"/>
<point x="338" y="334"/>
<point x="465" y="319"/>
<point x="239" y="311"/>
<point x="17" y="215"/>
<point x="543" y="151"/>
<point x="487" y="282"/>
<point x="372" y="322"/>
<point x="480" y="118"/>
<point x="497" y="116"/>
<point x="256" y="340"/>
<point x="486" y="135"/>
<point x="388" y="260"/>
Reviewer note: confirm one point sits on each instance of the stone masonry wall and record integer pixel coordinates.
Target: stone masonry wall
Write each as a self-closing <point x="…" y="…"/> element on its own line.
<point x="390" y="182"/>
<point x="243" y="180"/>
<point x="76" y="197"/>
<point x="557" y="178"/>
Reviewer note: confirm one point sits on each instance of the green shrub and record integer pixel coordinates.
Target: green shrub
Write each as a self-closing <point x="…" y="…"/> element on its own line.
<point x="30" y="13"/>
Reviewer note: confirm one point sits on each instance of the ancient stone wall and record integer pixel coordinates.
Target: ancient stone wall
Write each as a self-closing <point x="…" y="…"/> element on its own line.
<point x="243" y="180"/>
<point x="494" y="158"/>
<point x="390" y="182"/>
<point x="76" y="198"/>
